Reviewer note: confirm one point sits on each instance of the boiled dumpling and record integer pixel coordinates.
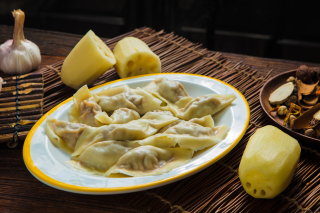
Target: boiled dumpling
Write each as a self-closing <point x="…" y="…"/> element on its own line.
<point x="159" y="118"/>
<point x="172" y="126"/>
<point x="123" y="97"/>
<point x="139" y="129"/>
<point x="158" y="140"/>
<point x="134" y="130"/>
<point x="101" y="156"/>
<point x="163" y="129"/>
<point x="120" y="116"/>
<point x="205" y="121"/>
<point x="150" y="160"/>
<point x="196" y="134"/>
<point x="193" y="136"/>
<point x="124" y="115"/>
<point x="86" y="110"/>
<point x="63" y="134"/>
<point x="169" y="91"/>
<point x="205" y="105"/>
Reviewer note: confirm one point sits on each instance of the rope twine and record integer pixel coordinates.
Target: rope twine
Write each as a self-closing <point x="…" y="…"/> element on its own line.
<point x="54" y="69"/>
<point x="16" y="139"/>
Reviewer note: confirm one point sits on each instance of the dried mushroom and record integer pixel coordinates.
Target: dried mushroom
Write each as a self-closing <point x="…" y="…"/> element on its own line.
<point x="281" y="94"/>
<point x="306" y="89"/>
<point x="291" y="99"/>
<point x="305" y="74"/>
<point x="311" y="99"/>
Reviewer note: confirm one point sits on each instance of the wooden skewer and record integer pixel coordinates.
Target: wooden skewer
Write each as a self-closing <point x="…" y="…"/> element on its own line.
<point x="19" y="128"/>
<point x="26" y="112"/>
<point x="13" y="83"/>
<point x="21" y="98"/>
<point x="21" y="103"/>
<point x="22" y="87"/>
<point x="22" y="92"/>
<point x="26" y="76"/>
<point x="13" y="119"/>
<point x="10" y="126"/>
<point x="21" y="108"/>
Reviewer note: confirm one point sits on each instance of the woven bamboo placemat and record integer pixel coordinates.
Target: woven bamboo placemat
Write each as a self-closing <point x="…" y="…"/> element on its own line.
<point x="217" y="188"/>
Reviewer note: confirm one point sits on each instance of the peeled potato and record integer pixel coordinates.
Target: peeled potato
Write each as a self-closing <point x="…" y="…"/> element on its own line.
<point x="134" y="57"/>
<point x="268" y="162"/>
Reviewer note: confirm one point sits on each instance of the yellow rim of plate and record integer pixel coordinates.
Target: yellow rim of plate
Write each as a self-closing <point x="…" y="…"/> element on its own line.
<point x="50" y="181"/>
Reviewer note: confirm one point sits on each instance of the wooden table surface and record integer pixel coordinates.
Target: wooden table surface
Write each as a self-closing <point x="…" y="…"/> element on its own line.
<point x="21" y="192"/>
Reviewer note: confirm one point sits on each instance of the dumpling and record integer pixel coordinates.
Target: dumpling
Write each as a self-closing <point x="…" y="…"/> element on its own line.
<point x="140" y="129"/>
<point x="193" y="136"/>
<point x="205" y="105"/>
<point x="169" y="91"/>
<point x="173" y="136"/>
<point x="101" y="156"/>
<point x="63" y="134"/>
<point x="120" y="116"/>
<point x="205" y="121"/>
<point x="163" y="129"/>
<point x="150" y="160"/>
<point x="139" y="100"/>
<point x="85" y="109"/>
<point x="158" y="140"/>
<point x="134" y="130"/>
<point x="159" y="118"/>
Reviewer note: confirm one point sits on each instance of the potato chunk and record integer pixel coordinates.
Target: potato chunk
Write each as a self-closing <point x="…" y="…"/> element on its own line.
<point x="268" y="162"/>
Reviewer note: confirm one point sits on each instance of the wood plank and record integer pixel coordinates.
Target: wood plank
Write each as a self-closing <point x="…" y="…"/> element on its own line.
<point x="49" y="42"/>
<point x="264" y="65"/>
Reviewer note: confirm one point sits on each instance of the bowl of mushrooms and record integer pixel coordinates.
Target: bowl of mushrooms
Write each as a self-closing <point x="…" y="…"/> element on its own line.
<point x="291" y="100"/>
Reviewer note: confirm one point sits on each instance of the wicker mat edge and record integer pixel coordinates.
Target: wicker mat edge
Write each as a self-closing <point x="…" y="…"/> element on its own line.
<point x="217" y="188"/>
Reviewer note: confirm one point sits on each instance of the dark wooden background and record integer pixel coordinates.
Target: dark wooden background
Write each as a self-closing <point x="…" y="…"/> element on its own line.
<point x="266" y="28"/>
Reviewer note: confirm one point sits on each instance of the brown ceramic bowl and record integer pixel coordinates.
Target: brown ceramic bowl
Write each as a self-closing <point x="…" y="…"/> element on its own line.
<point x="275" y="119"/>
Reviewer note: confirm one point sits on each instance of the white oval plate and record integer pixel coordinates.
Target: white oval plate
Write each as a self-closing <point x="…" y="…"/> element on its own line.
<point x="47" y="162"/>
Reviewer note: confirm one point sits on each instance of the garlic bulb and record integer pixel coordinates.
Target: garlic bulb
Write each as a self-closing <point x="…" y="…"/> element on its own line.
<point x="19" y="56"/>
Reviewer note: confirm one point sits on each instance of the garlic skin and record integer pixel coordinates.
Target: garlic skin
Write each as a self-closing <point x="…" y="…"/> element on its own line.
<point x="1" y="82"/>
<point x="19" y="56"/>
<point x="21" y="59"/>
